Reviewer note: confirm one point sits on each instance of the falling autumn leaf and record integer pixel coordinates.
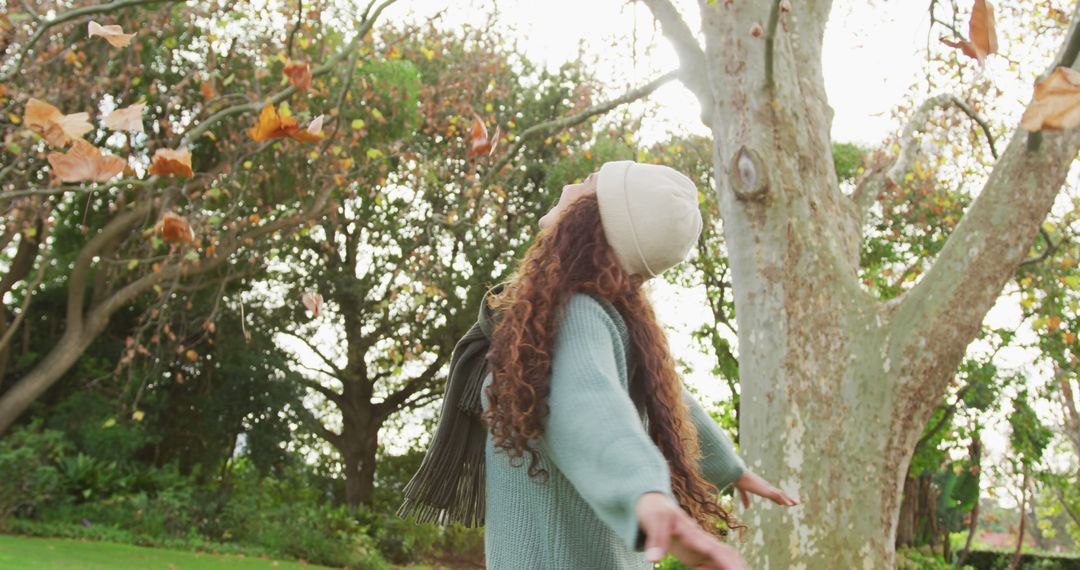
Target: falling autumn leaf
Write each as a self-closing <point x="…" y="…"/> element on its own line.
<point x="57" y="128"/>
<point x="126" y="119"/>
<point x="84" y="162"/>
<point x="982" y="32"/>
<point x="272" y="125"/>
<point x="313" y="133"/>
<point x="1056" y="103"/>
<point x="169" y="162"/>
<point x="206" y="88"/>
<point x="299" y="75"/>
<point x="173" y="228"/>
<point x="313" y="302"/>
<point x="481" y="143"/>
<point x="112" y="34"/>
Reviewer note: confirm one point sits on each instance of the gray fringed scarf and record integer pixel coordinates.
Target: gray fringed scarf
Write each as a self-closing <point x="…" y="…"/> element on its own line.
<point x="449" y="486"/>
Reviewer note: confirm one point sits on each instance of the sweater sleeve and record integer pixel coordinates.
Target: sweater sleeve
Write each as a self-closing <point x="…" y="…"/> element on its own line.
<point x="719" y="463"/>
<point x="593" y="432"/>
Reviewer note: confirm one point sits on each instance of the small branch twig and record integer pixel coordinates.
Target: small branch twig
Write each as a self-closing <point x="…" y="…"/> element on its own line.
<point x="770" y="39"/>
<point x="693" y="70"/>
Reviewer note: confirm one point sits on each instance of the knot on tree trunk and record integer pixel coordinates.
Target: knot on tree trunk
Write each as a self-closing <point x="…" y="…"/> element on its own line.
<point x="748" y="176"/>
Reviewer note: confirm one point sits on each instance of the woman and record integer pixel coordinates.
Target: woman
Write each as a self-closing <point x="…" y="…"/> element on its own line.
<point x="595" y="451"/>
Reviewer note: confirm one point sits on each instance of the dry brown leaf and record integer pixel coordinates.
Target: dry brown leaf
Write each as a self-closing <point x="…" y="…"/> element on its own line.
<point x="1056" y="102"/>
<point x="982" y="33"/>
<point x="112" y="34"/>
<point x="299" y="75"/>
<point x="173" y="228"/>
<point x="84" y="162"/>
<point x="313" y="302"/>
<point x="126" y="119"/>
<point x="169" y="162"/>
<point x="57" y="128"/>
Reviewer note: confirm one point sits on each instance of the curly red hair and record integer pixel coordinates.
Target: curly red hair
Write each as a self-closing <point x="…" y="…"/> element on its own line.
<point x="573" y="255"/>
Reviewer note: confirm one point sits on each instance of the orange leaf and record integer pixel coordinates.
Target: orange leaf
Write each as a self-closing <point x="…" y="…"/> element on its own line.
<point x="313" y="302"/>
<point x="126" y="119"/>
<point x="169" y="162"/>
<point x="112" y="34"/>
<point x="57" y="128"/>
<point x="85" y="162"/>
<point x="313" y="133"/>
<point x="299" y="75"/>
<point x="481" y="143"/>
<point x="207" y="90"/>
<point x="1056" y="103"/>
<point x="271" y="125"/>
<point x="173" y="228"/>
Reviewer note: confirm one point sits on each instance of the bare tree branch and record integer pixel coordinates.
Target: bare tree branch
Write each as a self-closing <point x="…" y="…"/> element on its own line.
<point x="692" y="69"/>
<point x="326" y="392"/>
<point x="326" y="360"/>
<point x="575" y="119"/>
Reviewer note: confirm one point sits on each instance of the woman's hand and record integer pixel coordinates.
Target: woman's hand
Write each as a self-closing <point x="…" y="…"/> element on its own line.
<point x="752" y="483"/>
<point x="668" y="529"/>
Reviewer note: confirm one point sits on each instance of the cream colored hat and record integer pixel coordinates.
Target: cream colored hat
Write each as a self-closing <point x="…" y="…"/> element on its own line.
<point x="650" y="215"/>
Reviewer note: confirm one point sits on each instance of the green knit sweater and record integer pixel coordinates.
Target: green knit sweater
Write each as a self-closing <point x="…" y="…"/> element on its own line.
<point x="599" y="458"/>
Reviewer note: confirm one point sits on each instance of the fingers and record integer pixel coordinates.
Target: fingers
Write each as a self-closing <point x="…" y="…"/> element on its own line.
<point x="700" y="550"/>
<point x="745" y="498"/>
<point x="781" y="498"/>
<point x="658" y="537"/>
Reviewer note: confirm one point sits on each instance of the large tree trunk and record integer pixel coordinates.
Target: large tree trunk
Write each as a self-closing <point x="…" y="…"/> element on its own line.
<point x="359" y="457"/>
<point x="836" y="384"/>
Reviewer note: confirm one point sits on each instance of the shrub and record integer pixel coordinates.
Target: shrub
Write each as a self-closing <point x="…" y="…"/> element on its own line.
<point x="29" y="477"/>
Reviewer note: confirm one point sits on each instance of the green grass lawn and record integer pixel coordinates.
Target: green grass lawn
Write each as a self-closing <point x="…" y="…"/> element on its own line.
<point x="18" y="552"/>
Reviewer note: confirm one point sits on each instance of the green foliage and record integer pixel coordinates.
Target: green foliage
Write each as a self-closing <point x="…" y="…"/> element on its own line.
<point x="848" y="160"/>
<point x="29" y="459"/>
<point x="1029" y="436"/>
<point x="922" y="559"/>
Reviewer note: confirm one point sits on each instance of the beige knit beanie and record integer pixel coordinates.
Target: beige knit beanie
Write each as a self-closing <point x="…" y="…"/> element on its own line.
<point x="650" y="215"/>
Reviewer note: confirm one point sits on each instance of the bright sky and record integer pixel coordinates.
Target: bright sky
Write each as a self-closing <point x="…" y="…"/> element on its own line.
<point x="873" y="53"/>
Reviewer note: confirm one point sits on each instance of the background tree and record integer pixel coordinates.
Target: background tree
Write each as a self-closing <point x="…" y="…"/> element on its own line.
<point x="211" y="215"/>
<point x="402" y="263"/>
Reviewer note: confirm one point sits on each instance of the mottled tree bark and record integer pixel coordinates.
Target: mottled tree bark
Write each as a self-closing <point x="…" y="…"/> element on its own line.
<point x="836" y="384"/>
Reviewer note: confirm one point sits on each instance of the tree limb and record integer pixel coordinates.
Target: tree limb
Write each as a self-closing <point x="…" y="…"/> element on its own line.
<point x="326" y="360"/>
<point x="395" y="401"/>
<point x="693" y="71"/>
<point x="115" y="228"/>
<point x="67" y="17"/>
<point x="938" y="318"/>
<point x="575" y="119"/>
<point x="326" y="392"/>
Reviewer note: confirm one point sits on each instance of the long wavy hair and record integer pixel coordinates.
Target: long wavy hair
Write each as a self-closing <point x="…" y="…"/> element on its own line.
<point x="573" y="255"/>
